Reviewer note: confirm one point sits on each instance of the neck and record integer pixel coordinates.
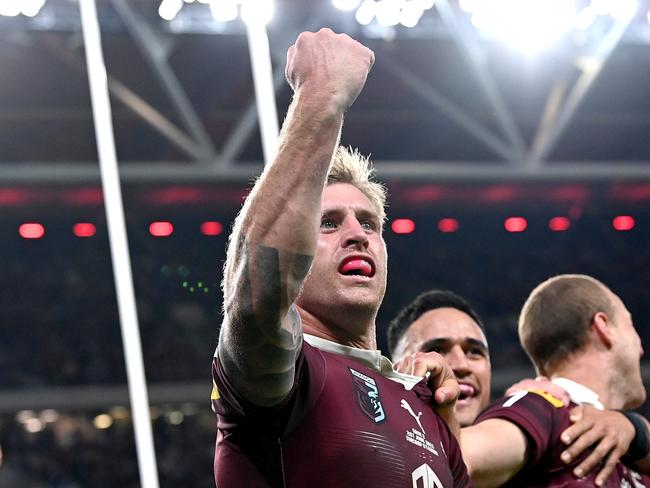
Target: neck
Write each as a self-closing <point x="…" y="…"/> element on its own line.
<point x="318" y="327"/>
<point x="592" y="370"/>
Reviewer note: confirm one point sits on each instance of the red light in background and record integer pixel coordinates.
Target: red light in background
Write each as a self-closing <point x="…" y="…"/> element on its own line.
<point x="403" y="226"/>
<point x="559" y="224"/>
<point x="161" y="229"/>
<point x="84" y="229"/>
<point x="211" y="228"/>
<point x="623" y="222"/>
<point x="448" y="225"/>
<point x="31" y="230"/>
<point x="515" y="224"/>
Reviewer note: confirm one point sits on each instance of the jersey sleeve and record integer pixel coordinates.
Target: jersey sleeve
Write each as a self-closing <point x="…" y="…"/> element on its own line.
<point x="228" y="403"/>
<point x="457" y="465"/>
<point x="536" y="414"/>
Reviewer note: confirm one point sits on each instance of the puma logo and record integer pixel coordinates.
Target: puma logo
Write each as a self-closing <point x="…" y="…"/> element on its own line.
<point x="405" y="405"/>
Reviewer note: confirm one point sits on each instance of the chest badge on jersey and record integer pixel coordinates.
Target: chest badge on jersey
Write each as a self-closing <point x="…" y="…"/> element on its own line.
<point x="368" y="396"/>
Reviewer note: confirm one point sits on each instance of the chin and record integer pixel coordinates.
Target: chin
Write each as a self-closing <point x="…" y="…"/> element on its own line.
<point x="466" y="414"/>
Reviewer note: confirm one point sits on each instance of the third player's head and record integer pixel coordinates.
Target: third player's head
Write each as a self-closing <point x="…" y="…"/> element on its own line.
<point x="570" y="318"/>
<point x="443" y="322"/>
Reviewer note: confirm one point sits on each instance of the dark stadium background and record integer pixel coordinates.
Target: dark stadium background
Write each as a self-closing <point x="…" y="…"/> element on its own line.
<point x="64" y="416"/>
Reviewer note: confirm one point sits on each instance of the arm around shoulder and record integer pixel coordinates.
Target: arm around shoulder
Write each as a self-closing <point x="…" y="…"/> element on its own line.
<point x="494" y="451"/>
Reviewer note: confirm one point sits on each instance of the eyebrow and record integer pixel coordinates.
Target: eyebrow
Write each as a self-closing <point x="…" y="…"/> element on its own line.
<point x="444" y="341"/>
<point x="360" y="213"/>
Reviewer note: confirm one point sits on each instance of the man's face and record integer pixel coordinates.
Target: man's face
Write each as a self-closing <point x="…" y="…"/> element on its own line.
<point x="460" y="340"/>
<point x="629" y="352"/>
<point x="348" y="274"/>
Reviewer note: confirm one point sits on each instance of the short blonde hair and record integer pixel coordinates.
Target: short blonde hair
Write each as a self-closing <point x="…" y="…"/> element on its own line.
<point x="350" y="166"/>
<point x="556" y="317"/>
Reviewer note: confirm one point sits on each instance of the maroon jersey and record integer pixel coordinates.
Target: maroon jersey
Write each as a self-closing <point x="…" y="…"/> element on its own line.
<point x="543" y="418"/>
<point x="343" y="424"/>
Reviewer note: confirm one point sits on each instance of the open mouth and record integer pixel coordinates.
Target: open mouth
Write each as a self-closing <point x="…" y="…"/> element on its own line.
<point x="356" y="266"/>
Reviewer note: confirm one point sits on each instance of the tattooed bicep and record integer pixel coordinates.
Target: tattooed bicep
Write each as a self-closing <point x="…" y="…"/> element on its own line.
<point x="263" y="331"/>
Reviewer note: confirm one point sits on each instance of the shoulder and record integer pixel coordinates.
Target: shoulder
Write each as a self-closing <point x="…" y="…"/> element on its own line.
<point x="541" y="416"/>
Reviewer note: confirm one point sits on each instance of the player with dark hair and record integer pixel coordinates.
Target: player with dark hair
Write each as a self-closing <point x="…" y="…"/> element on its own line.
<point x="302" y="396"/>
<point x="579" y="334"/>
<point x="441" y="321"/>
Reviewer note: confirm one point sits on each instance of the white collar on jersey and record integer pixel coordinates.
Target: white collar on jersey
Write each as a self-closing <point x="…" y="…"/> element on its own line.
<point x="578" y="393"/>
<point x="370" y="357"/>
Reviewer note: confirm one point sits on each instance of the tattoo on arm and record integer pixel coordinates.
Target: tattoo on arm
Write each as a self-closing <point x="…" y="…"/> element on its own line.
<point x="262" y="333"/>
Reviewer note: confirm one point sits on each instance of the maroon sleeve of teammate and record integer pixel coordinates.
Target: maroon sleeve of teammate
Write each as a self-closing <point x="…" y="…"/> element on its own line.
<point x="534" y="414"/>
<point x="457" y="465"/>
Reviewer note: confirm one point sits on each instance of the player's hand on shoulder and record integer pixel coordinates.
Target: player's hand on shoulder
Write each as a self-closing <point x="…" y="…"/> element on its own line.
<point x="607" y="431"/>
<point x="541" y="383"/>
<point x="328" y="66"/>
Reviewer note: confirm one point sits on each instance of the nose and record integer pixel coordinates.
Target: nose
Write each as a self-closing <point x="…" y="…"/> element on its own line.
<point x="458" y="361"/>
<point x="354" y="234"/>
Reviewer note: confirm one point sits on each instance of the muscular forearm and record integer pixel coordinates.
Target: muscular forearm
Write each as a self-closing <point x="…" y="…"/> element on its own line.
<point x="494" y="451"/>
<point x="270" y="258"/>
<point x="283" y="210"/>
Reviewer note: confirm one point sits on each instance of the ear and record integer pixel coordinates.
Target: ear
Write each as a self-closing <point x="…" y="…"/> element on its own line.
<point x="600" y="325"/>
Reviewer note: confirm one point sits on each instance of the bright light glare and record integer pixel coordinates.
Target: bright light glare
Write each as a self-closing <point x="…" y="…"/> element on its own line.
<point x="9" y="8"/>
<point x="410" y="15"/>
<point x="366" y="12"/>
<point x="585" y="18"/>
<point x="223" y="10"/>
<point x="346" y="4"/>
<point x="388" y="12"/>
<point x="34" y="425"/>
<point x="31" y="8"/>
<point x="623" y="9"/>
<point x="103" y="421"/>
<point x="601" y="7"/>
<point x="257" y="11"/>
<point x="169" y="8"/>
<point x="468" y="6"/>
<point x="527" y="25"/>
<point x="424" y="4"/>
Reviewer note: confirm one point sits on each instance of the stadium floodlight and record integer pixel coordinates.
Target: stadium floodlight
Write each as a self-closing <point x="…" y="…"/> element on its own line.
<point x="223" y="10"/>
<point x="169" y="9"/>
<point x="618" y="9"/>
<point x="388" y="12"/>
<point x="31" y="8"/>
<point x="623" y="9"/>
<point x="346" y="4"/>
<point x="257" y="11"/>
<point x="366" y="12"/>
<point x="424" y="4"/>
<point x="410" y="14"/>
<point x="9" y="8"/>
<point x="527" y="25"/>
<point x="468" y="6"/>
<point x="585" y="18"/>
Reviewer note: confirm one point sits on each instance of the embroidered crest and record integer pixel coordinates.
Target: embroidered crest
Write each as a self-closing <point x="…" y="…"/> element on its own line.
<point x="368" y="396"/>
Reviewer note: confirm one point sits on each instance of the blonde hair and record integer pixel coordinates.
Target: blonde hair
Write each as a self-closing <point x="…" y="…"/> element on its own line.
<point x="347" y="166"/>
<point x="350" y="166"/>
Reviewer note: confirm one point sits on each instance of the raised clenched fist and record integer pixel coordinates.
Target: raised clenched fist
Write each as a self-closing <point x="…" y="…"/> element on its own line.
<point x="329" y="67"/>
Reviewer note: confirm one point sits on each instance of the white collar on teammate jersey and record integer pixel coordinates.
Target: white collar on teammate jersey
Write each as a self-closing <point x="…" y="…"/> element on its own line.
<point x="578" y="393"/>
<point x="370" y="357"/>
